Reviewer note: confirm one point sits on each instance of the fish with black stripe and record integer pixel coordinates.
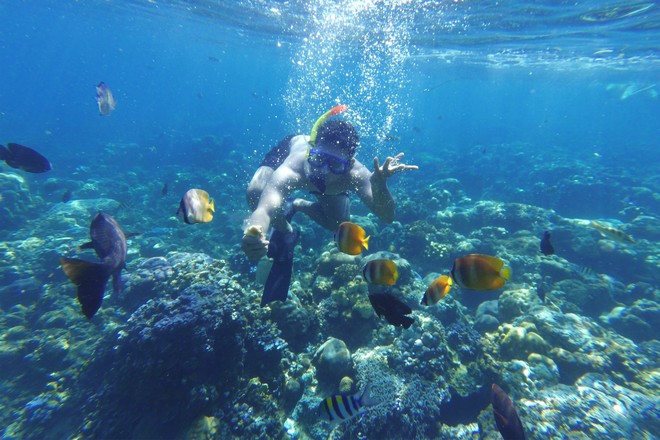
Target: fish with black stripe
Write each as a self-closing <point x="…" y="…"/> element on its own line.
<point x="345" y="406"/>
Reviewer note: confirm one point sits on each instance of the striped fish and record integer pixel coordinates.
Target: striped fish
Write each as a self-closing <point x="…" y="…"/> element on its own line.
<point x="345" y="406"/>
<point x="383" y="272"/>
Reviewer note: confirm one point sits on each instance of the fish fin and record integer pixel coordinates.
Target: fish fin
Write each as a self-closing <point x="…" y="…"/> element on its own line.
<point x="91" y="279"/>
<point x="116" y="281"/>
<point x="497" y="263"/>
<point x="506" y="273"/>
<point x="88" y="245"/>
<point x="407" y="321"/>
<point x="365" y="243"/>
<point x="366" y="398"/>
<point x="212" y="205"/>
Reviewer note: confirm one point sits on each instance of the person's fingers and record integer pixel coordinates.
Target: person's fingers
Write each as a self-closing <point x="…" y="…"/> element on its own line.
<point x="376" y="165"/>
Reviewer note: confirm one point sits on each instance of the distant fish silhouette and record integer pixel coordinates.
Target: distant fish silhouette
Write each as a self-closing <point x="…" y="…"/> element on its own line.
<point x="506" y="417"/>
<point x="66" y="196"/>
<point x="213" y="59"/>
<point x="546" y="246"/>
<point x="24" y="158"/>
<point x="164" y="190"/>
<point x="104" y="99"/>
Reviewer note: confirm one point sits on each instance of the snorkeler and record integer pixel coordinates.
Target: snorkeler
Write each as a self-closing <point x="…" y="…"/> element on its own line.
<point x="324" y="165"/>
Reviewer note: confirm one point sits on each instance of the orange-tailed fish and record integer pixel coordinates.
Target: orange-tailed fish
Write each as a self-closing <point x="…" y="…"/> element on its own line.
<point x="109" y="243"/>
<point x="383" y="272"/>
<point x="612" y="233"/>
<point x="480" y="272"/>
<point x="437" y="290"/>
<point x="506" y="417"/>
<point x="104" y="99"/>
<point x="196" y="207"/>
<point x="351" y="238"/>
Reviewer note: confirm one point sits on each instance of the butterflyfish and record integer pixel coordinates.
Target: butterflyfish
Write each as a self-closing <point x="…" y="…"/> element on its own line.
<point x="104" y="99"/>
<point x="351" y="238"/>
<point x="437" y="290"/>
<point x="383" y="272"/>
<point x="196" y="207"/>
<point x="612" y="233"/>
<point x="480" y="272"/>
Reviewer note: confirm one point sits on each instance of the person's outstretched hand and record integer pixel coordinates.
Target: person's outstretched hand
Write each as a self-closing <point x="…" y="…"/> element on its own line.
<point x="391" y="167"/>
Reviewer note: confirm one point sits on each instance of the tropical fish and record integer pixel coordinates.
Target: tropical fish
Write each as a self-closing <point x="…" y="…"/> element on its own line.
<point x="480" y="272"/>
<point x="437" y="290"/>
<point x="104" y="99"/>
<point x="506" y="417"/>
<point x="196" y="207"/>
<point x="383" y="272"/>
<point x="546" y="247"/>
<point x="345" y="406"/>
<point x="67" y="196"/>
<point x="612" y="233"/>
<point x="350" y="238"/>
<point x="394" y="311"/>
<point x="24" y="158"/>
<point x="109" y="243"/>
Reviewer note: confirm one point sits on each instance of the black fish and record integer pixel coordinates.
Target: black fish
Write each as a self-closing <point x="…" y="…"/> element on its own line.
<point x="506" y="417"/>
<point x="164" y="191"/>
<point x="392" y="309"/>
<point x="109" y="242"/>
<point x="24" y="158"/>
<point x="66" y="196"/>
<point x="546" y="246"/>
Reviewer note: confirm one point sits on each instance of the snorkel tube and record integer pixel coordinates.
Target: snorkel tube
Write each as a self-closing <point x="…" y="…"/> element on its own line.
<point x="332" y="112"/>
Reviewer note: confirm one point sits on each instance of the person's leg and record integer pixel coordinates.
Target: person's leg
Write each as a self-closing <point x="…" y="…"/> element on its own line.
<point x="328" y="211"/>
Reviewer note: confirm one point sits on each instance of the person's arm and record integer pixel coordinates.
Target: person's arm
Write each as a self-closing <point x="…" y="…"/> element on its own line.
<point x="254" y="242"/>
<point x="372" y="187"/>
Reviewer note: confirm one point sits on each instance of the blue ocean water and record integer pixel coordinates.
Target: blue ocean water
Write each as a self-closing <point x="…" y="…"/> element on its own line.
<point x="550" y="104"/>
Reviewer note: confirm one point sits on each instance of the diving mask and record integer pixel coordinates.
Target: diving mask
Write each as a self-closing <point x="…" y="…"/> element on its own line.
<point x="320" y="159"/>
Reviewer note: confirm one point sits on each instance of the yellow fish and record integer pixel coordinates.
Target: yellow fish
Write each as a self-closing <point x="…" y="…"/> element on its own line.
<point x="196" y="207"/>
<point x="480" y="272"/>
<point x="437" y="290"/>
<point x="612" y="234"/>
<point x="351" y="238"/>
<point x="383" y="272"/>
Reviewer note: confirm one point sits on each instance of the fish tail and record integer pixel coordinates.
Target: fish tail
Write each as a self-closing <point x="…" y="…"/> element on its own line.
<point x="366" y="398"/>
<point x="91" y="279"/>
<point x="212" y="205"/>
<point x="506" y="273"/>
<point x="365" y="243"/>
